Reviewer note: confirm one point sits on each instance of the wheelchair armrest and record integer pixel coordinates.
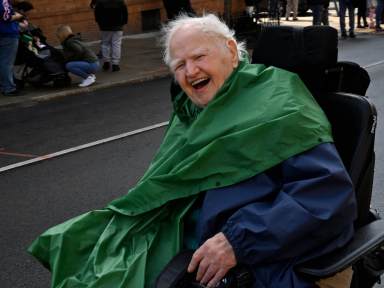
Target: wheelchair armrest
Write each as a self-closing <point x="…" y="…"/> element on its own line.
<point x="366" y="239"/>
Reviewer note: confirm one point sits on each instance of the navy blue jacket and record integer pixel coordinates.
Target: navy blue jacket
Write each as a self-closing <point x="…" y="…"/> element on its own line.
<point x="298" y="210"/>
<point x="8" y="28"/>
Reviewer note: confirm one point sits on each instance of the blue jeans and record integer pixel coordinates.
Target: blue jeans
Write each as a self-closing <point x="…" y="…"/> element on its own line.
<point x="379" y="11"/>
<point x="82" y="68"/>
<point x="344" y="5"/>
<point x="8" y="51"/>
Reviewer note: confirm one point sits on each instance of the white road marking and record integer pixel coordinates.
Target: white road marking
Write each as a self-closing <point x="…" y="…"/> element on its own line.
<point x="81" y="147"/>
<point x="106" y="140"/>
<point x="373" y="64"/>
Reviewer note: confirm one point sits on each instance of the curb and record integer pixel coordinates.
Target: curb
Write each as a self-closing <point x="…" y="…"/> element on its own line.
<point x="19" y="100"/>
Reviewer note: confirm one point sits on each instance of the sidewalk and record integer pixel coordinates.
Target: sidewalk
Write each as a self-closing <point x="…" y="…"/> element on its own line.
<point x="141" y="61"/>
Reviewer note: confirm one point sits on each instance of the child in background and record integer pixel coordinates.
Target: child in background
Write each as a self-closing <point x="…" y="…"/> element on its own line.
<point x="371" y="4"/>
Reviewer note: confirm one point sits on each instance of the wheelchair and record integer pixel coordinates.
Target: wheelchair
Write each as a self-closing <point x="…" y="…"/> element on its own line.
<point x="339" y="88"/>
<point x="311" y="52"/>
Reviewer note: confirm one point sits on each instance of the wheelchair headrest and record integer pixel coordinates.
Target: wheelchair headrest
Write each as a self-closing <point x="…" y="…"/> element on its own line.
<point x="296" y="48"/>
<point x="307" y="51"/>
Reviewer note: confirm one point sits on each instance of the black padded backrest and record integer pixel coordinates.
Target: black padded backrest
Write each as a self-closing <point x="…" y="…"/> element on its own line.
<point x="353" y="120"/>
<point x="308" y="51"/>
<point x="296" y="48"/>
<point x="311" y="52"/>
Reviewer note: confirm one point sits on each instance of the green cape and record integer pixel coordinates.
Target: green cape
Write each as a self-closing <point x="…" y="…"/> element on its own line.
<point x="260" y="117"/>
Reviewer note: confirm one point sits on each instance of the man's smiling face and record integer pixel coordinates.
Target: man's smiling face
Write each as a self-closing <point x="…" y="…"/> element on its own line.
<point x="201" y="63"/>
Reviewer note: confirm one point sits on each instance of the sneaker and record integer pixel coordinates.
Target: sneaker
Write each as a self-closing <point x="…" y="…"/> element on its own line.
<point x="115" y="68"/>
<point x="378" y="29"/>
<point x="352" y="35"/>
<point x="88" y="81"/>
<point x="344" y="35"/>
<point x="295" y="19"/>
<point x="106" y="66"/>
<point x="12" y="93"/>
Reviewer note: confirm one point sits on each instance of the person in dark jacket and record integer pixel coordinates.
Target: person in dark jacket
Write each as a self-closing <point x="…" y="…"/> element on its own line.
<point x="80" y="60"/>
<point x="111" y="16"/>
<point x="9" y="42"/>
<point x="175" y="7"/>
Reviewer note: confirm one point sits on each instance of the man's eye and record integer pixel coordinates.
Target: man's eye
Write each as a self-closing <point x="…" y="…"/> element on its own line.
<point x="179" y="66"/>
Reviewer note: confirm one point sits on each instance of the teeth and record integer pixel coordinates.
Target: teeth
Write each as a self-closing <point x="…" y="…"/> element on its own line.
<point x="198" y="81"/>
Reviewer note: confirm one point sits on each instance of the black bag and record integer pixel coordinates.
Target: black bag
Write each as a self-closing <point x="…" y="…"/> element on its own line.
<point x="175" y="275"/>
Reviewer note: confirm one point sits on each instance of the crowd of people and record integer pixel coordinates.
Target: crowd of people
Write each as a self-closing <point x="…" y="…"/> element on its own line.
<point x="371" y="9"/>
<point x="17" y="36"/>
<point x="112" y="15"/>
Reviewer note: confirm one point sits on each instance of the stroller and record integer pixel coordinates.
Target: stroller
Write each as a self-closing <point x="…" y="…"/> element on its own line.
<point x="39" y="63"/>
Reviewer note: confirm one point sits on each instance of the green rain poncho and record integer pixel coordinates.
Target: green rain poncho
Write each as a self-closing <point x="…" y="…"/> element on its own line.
<point x="260" y="117"/>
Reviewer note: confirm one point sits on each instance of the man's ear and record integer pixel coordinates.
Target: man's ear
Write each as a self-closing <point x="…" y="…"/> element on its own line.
<point x="232" y="46"/>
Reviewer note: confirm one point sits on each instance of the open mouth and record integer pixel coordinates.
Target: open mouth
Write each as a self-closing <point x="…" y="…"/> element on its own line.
<point x="200" y="83"/>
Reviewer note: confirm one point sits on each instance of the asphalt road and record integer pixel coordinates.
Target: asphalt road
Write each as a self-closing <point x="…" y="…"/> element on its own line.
<point x="367" y="51"/>
<point x="36" y="197"/>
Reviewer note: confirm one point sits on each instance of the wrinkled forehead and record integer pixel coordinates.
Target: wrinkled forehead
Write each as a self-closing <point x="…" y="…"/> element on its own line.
<point x="190" y="38"/>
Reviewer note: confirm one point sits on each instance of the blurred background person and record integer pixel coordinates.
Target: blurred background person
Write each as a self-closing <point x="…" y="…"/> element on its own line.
<point x="324" y="15"/>
<point x="379" y="14"/>
<point x="175" y="7"/>
<point x="344" y="6"/>
<point x="80" y="60"/>
<point x="9" y="42"/>
<point x="317" y="7"/>
<point x="371" y="5"/>
<point x="292" y="5"/>
<point x="362" y="14"/>
<point x="111" y="16"/>
<point x="92" y="4"/>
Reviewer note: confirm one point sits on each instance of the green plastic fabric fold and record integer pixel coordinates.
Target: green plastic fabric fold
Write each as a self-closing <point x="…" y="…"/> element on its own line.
<point x="259" y="118"/>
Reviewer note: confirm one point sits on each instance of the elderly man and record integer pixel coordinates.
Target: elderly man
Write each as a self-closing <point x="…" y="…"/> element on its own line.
<point x="247" y="174"/>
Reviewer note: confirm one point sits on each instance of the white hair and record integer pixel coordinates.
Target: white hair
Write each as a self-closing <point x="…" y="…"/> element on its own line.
<point x="208" y="23"/>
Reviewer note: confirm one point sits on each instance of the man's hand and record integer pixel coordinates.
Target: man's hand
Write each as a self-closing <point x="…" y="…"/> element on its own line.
<point x="214" y="259"/>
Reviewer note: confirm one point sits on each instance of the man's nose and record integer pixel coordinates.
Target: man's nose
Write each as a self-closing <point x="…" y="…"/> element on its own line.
<point x="191" y="68"/>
